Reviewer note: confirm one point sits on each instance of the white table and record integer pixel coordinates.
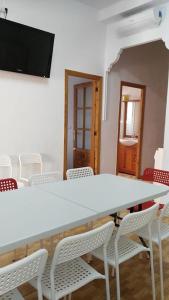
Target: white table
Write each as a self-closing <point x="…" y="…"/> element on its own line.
<point x="29" y="214"/>
<point x="106" y="194"/>
<point x="34" y="213"/>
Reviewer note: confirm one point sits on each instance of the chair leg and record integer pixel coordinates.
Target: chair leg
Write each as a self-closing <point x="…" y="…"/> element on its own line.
<point x="14" y="255"/>
<point x="152" y="271"/>
<point x="114" y="216"/>
<point x="161" y="271"/>
<point x="41" y="244"/>
<point x="70" y="297"/>
<point x="89" y="255"/>
<point x="39" y="290"/>
<point x="26" y="250"/>
<point x="118" y="282"/>
<point x="112" y="272"/>
<point x="117" y="273"/>
<point x="51" y="244"/>
<point x="106" y="270"/>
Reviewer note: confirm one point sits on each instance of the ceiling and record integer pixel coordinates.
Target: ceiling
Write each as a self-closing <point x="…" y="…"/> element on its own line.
<point x="99" y="4"/>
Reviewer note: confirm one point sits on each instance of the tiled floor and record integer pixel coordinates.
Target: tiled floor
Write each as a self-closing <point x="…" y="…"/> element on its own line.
<point x="135" y="276"/>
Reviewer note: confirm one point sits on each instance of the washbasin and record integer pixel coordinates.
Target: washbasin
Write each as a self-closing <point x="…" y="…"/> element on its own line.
<point x="129" y="141"/>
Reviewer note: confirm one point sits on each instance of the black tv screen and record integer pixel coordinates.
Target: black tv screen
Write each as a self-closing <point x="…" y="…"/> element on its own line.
<point x="24" y="49"/>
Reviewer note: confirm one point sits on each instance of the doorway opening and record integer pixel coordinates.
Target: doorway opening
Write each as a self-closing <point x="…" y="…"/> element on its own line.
<point x="83" y="96"/>
<point x="130" y="130"/>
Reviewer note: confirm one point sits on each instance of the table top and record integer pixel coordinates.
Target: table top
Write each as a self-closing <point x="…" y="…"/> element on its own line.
<point x="34" y="213"/>
<point x="29" y="214"/>
<point x="105" y="193"/>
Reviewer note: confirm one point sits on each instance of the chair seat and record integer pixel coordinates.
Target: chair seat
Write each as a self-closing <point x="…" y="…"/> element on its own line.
<point x="69" y="277"/>
<point x="12" y="295"/>
<point x="164" y="232"/>
<point x="126" y="250"/>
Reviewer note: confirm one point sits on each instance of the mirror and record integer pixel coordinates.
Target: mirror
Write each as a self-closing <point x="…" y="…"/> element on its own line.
<point x="130" y="119"/>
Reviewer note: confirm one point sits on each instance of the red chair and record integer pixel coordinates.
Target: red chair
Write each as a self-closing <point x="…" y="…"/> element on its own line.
<point x="8" y="184"/>
<point x="152" y="175"/>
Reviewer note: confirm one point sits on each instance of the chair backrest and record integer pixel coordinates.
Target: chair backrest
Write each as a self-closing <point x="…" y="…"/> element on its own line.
<point x="75" y="246"/>
<point x="45" y="178"/>
<point x="30" y="163"/>
<point x="18" y="273"/>
<point x="134" y="221"/>
<point x="155" y="175"/>
<point x="8" y="184"/>
<point x="79" y="172"/>
<point x="5" y="163"/>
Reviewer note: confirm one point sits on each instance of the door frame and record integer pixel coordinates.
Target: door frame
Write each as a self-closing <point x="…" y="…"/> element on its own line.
<point x="140" y="139"/>
<point x="98" y="100"/>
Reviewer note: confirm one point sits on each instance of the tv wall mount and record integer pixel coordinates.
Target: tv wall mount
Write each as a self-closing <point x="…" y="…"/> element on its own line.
<point x="3" y="12"/>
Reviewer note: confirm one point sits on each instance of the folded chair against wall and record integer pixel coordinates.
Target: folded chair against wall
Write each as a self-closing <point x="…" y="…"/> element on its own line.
<point x="20" y="272"/>
<point x="67" y="271"/>
<point x="153" y="176"/>
<point x="45" y="178"/>
<point x="121" y="248"/>
<point x="29" y="164"/>
<point x="6" y="166"/>
<point x="160" y="232"/>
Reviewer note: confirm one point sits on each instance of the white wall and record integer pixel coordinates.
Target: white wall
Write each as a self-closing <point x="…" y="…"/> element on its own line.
<point x="148" y="65"/>
<point x="32" y="108"/>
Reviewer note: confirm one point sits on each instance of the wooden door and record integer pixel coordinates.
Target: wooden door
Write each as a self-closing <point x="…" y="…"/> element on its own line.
<point x="129" y="157"/>
<point x="83" y="151"/>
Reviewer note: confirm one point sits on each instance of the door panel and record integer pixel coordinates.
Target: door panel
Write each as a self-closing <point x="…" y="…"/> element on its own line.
<point x="83" y="125"/>
<point x="87" y="140"/>
<point x="88" y="118"/>
<point x="79" y="138"/>
<point x="79" y="118"/>
<point x="80" y="97"/>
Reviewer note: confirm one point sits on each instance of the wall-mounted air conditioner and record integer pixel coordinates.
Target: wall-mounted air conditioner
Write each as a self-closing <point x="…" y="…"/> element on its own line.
<point x="140" y="21"/>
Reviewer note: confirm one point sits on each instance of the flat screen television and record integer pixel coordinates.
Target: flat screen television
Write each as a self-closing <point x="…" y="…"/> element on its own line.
<point x="24" y="49"/>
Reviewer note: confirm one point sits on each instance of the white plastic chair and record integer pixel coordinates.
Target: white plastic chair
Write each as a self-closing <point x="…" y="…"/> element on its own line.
<point x="30" y="164"/>
<point x="160" y="232"/>
<point x="42" y="179"/>
<point x="68" y="272"/>
<point x="45" y="178"/>
<point x="6" y="164"/>
<point x="79" y="173"/>
<point x="120" y="248"/>
<point x="20" y="272"/>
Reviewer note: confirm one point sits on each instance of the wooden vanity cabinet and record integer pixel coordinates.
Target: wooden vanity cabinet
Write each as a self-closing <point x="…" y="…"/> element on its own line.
<point x="127" y="159"/>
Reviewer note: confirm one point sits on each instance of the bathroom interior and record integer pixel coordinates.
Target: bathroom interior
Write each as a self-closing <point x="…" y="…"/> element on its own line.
<point x="130" y="120"/>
